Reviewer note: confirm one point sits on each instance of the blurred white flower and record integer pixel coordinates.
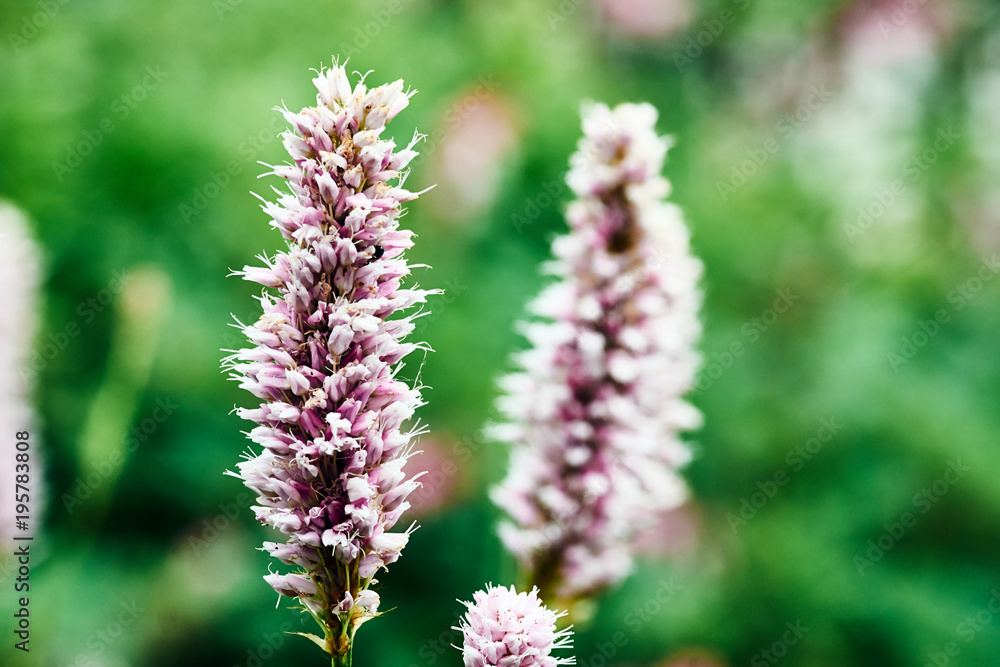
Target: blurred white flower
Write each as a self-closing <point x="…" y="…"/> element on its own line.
<point x="19" y="275"/>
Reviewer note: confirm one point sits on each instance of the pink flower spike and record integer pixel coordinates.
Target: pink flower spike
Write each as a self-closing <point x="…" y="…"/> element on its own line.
<point x="323" y="359"/>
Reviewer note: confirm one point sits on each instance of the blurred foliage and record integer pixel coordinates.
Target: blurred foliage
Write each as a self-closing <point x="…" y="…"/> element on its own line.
<point x="132" y="135"/>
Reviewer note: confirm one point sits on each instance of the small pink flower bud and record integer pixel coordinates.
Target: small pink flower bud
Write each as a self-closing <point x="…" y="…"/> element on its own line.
<point x="509" y="629"/>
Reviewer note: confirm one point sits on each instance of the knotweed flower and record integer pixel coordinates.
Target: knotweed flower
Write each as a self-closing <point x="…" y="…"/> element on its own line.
<point x="595" y="410"/>
<point x="325" y="358"/>
<point x="19" y="272"/>
<point x="511" y="629"/>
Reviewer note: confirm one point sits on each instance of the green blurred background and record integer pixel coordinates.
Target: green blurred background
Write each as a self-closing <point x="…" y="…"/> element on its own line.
<point x="837" y="161"/>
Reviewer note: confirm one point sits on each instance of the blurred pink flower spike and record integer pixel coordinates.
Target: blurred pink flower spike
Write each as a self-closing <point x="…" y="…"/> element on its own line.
<point x="595" y="411"/>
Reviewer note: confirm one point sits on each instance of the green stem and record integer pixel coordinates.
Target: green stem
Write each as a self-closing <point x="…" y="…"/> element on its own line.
<point x="343" y="660"/>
